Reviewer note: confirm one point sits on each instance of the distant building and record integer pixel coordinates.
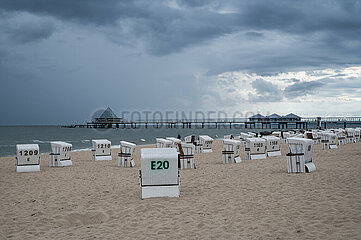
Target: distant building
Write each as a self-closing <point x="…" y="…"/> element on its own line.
<point x="108" y="116"/>
<point x="257" y="118"/>
<point x="291" y="118"/>
<point x="275" y="118"/>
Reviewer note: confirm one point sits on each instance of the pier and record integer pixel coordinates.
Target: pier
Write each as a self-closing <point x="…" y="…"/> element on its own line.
<point x="238" y="123"/>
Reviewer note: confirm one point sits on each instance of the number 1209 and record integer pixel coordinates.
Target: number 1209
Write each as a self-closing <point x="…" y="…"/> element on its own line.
<point x="28" y="152"/>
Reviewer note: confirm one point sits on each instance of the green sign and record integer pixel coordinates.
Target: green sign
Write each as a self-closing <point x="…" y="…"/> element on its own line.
<point x="159" y="165"/>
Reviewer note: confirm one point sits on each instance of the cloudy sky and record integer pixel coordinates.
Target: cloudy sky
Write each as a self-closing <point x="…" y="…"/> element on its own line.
<point x="62" y="60"/>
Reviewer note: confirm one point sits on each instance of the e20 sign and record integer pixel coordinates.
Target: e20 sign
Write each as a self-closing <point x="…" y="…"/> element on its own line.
<point x="159" y="166"/>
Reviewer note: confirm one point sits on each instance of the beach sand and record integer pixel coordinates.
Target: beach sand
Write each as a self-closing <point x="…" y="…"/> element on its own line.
<point x="255" y="199"/>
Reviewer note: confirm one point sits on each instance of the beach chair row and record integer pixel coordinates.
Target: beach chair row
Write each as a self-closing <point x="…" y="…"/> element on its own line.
<point x="28" y="155"/>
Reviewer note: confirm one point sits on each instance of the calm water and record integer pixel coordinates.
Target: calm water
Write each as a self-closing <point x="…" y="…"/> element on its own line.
<point x="81" y="137"/>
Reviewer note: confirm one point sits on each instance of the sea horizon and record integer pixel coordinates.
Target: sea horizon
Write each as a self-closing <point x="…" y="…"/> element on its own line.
<point x="81" y="138"/>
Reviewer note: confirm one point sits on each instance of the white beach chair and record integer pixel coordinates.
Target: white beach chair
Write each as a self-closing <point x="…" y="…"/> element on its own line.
<point x="164" y="143"/>
<point x="229" y="136"/>
<point x="174" y="143"/>
<point x="27" y="158"/>
<point x="350" y="135"/>
<point x="205" y="142"/>
<point x="276" y="134"/>
<point x="252" y="134"/>
<point x="273" y="145"/>
<point x="333" y="141"/>
<point x="299" y="159"/>
<point x="190" y="138"/>
<point x="357" y="134"/>
<point x="159" y="174"/>
<point x="316" y="136"/>
<point x="159" y="142"/>
<point x="231" y="151"/>
<point x="125" y="157"/>
<point x="243" y="136"/>
<point x="186" y="155"/>
<point x="341" y="137"/>
<point x="61" y="154"/>
<point x="255" y="148"/>
<point x="285" y="135"/>
<point x="101" y="150"/>
<point x="328" y="140"/>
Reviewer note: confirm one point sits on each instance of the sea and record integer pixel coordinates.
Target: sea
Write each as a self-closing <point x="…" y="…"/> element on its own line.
<point x="81" y="138"/>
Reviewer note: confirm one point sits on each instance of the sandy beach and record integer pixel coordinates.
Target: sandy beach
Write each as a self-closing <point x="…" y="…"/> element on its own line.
<point x="255" y="199"/>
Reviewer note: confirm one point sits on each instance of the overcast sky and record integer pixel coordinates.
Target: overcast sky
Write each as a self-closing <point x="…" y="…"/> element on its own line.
<point x="60" y="61"/>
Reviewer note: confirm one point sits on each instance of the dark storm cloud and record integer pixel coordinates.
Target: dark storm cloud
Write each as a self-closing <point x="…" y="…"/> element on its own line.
<point x="88" y="12"/>
<point x="194" y="3"/>
<point x="340" y="84"/>
<point x="30" y="31"/>
<point x="176" y="34"/>
<point x="166" y="30"/>
<point x="167" y="54"/>
<point x="21" y="28"/>
<point x="300" y="89"/>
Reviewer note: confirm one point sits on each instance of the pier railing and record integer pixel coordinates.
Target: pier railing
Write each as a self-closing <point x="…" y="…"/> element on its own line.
<point x="303" y="123"/>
